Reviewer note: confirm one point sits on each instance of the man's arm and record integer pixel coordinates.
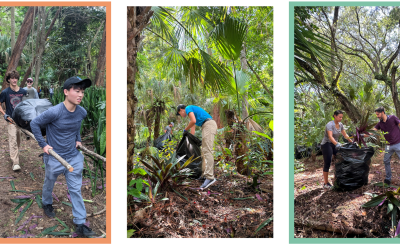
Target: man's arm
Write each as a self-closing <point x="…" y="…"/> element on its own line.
<point x="43" y="119"/>
<point x="192" y="123"/>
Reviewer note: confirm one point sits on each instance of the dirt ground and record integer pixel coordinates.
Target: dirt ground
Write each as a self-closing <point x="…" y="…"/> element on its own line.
<point x="314" y="204"/>
<point x="209" y="213"/>
<point x="30" y="179"/>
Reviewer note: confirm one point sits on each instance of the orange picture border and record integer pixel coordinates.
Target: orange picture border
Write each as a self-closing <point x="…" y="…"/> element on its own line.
<point x="106" y="240"/>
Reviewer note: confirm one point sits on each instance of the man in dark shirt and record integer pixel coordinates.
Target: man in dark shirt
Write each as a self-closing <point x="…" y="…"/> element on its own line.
<point x="389" y="124"/>
<point x="12" y="96"/>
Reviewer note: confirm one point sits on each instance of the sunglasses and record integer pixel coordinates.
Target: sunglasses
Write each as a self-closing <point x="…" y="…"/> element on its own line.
<point x="29" y="81"/>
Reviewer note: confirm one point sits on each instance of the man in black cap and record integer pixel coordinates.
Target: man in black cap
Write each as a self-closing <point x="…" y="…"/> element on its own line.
<point x="63" y="124"/>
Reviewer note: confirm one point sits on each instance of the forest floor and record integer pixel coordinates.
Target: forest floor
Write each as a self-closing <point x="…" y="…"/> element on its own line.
<point x="30" y="179"/>
<point x="341" y="210"/>
<point x="229" y="208"/>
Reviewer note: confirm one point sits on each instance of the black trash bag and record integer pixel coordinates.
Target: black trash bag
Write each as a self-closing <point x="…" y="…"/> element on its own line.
<point x="190" y="146"/>
<point x="352" y="167"/>
<point x="160" y="141"/>
<point x="27" y="110"/>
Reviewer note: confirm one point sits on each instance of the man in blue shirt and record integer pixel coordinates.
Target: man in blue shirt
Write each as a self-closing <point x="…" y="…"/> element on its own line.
<point x="201" y="118"/>
<point x="12" y="96"/>
<point x="63" y="123"/>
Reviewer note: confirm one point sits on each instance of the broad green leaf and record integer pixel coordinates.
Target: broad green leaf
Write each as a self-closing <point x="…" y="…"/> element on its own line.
<point x="263" y="135"/>
<point x="263" y="224"/>
<point x="23" y="212"/>
<point x="130" y="233"/>
<point x="47" y="231"/>
<point x="103" y="142"/>
<point x="374" y="201"/>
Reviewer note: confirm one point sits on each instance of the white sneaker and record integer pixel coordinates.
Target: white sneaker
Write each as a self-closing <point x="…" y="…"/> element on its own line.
<point x="16" y="167"/>
<point x="207" y="183"/>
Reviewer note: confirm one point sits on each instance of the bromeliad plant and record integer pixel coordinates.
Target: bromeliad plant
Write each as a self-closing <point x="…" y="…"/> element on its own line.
<point x="365" y="127"/>
<point x="162" y="171"/>
<point x="393" y="204"/>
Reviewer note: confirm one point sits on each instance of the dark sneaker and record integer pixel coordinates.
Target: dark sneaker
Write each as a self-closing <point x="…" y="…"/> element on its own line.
<point x="207" y="183"/>
<point x="83" y="230"/>
<point x="49" y="211"/>
<point x="387" y="181"/>
<point x="328" y="186"/>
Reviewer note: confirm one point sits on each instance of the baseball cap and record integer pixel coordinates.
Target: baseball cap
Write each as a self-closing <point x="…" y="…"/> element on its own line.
<point x="73" y="80"/>
<point x="172" y="124"/>
<point x="29" y="79"/>
<point x="181" y="106"/>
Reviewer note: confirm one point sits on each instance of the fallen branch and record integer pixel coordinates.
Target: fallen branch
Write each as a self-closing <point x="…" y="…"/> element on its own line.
<point x="100" y="212"/>
<point x="318" y="225"/>
<point x="84" y="149"/>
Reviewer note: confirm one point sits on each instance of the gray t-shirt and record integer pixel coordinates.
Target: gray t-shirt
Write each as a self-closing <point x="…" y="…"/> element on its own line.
<point x="62" y="129"/>
<point x="35" y="95"/>
<point x="330" y="126"/>
<point x="168" y="128"/>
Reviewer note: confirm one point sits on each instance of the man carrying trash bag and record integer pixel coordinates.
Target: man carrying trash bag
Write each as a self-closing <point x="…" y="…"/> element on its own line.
<point x="169" y="128"/>
<point x="201" y="118"/>
<point x="63" y="123"/>
<point x="389" y="124"/>
<point x="12" y="96"/>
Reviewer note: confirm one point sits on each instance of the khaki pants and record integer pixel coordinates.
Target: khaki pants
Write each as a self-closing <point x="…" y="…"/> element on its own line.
<point x="14" y="140"/>
<point x="208" y="132"/>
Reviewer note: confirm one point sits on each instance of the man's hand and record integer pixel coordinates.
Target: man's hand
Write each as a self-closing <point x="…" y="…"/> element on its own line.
<point x="46" y="149"/>
<point x="6" y="116"/>
<point x="78" y="143"/>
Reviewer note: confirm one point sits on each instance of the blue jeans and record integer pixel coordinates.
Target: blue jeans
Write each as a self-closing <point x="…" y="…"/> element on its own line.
<point x="53" y="169"/>
<point x="388" y="155"/>
<point x="51" y="95"/>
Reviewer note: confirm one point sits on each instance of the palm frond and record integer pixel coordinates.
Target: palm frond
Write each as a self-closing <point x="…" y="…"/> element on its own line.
<point x="228" y="37"/>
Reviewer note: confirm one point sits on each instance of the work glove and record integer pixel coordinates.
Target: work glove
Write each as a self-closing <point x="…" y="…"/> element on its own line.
<point x="338" y="145"/>
<point x="5" y="117"/>
<point x="184" y="130"/>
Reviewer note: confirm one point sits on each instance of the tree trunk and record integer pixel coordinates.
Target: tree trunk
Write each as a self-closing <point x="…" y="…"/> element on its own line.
<point x="12" y="28"/>
<point x="42" y="43"/>
<point x="32" y="39"/>
<point x="216" y="115"/>
<point x="229" y="136"/>
<point x="241" y="149"/>
<point x="20" y="43"/>
<point x="138" y="19"/>
<point x="88" y="67"/>
<point x="28" y="72"/>
<point x="101" y="61"/>
<point x="395" y="94"/>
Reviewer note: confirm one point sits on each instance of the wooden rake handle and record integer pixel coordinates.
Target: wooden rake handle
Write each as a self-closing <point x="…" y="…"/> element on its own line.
<point x="51" y="151"/>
